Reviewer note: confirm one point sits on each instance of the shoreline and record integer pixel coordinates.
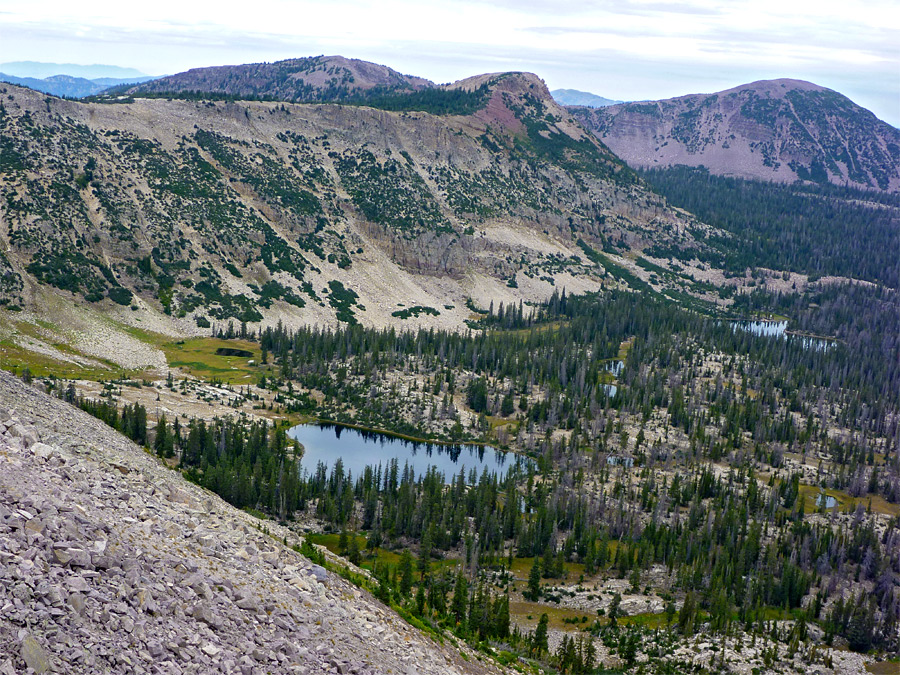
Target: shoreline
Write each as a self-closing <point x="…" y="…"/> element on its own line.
<point x="320" y="421"/>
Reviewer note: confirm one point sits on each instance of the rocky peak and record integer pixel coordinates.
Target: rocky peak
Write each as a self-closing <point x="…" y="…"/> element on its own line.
<point x="776" y="88"/>
<point x="782" y="130"/>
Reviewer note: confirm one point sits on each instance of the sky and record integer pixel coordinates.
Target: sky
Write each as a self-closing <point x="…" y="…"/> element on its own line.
<point x="620" y="49"/>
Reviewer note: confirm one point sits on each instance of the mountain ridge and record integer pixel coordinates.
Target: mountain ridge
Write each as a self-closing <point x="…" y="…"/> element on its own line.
<point x="310" y="79"/>
<point x="780" y="130"/>
<point x="192" y="211"/>
<point x="43" y="69"/>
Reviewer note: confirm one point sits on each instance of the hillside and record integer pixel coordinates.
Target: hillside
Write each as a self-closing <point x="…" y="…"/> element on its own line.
<point x="145" y="572"/>
<point x="316" y="78"/>
<point x="182" y="213"/>
<point x="777" y="130"/>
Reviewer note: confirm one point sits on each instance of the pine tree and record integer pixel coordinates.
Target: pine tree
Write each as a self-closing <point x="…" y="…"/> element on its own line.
<point x="406" y="573"/>
<point x="860" y="630"/>
<point x="539" y="640"/>
<point x="420" y="599"/>
<point x="163" y="443"/>
<point x="501" y="617"/>
<point x="353" y="552"/>
<point x="460" y="598"/>
<point x="686" y="615"/>
<point x="534" y="581"/>
<point x="613" y="611"/>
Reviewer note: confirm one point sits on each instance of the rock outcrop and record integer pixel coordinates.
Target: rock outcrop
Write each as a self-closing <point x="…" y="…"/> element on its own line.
<point x="110" y="562"/>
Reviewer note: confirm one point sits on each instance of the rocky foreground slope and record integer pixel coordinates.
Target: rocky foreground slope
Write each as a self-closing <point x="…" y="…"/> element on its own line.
<point x="111" y="563"/>
<point x="778" y="130"/>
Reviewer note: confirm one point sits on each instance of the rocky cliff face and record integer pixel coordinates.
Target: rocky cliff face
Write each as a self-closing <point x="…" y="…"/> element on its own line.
<point x="110" y="562"/>
<point x="204" y="211"/>
<point x="778" y="130"/>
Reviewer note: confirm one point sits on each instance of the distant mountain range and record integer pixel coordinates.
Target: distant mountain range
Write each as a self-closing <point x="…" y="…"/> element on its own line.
<point x="42" y="70"/>
<point x="581" y="98"/>
<point x="777" y="130"/>
<point x="68" y="85"/>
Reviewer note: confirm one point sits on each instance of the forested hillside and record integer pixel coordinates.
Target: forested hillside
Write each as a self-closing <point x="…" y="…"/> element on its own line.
<point x="814" y="230"/>
<point x="685" y="456"/>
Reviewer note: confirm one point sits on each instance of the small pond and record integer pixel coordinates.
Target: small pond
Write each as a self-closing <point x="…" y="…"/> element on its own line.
<point x="615" y="367"/>
<point x="617" y="460"/>
<point x="357" y="449"/>
<point x="830" y="502"/>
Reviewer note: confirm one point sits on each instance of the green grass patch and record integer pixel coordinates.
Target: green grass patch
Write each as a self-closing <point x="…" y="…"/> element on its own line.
<point x="561" y="618"/>
<point x="889" y="667"/>
<point x="15" y="355"/>
<point x="497" y="422"/>
<point x="521" y="567"/>
<point x="624" y="348"/>
<point x="15" y="358"/>
<point x="845" y="502"/>
<point x="380" y="555"/>
<point x="198" y="357"/>
<point x="644" y="619"/>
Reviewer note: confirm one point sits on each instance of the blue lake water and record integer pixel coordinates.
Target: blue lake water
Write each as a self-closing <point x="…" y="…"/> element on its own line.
<point x="778" y="329"/>
<point x="763" y="328"/>
<point x="358" y="449"/>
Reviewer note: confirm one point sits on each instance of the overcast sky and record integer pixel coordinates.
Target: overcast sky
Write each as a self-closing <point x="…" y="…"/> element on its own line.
<point x="621" y="49"/>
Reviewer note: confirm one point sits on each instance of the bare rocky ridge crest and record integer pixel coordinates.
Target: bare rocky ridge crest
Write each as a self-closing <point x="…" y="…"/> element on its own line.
<point x="110" y="562"/>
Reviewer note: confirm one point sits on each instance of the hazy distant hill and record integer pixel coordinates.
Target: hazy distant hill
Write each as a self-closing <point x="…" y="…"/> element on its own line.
<point x="68" y="85"/>
<point x="582" y="98"/>
<point x="779" y="130"/>
<point x="42" y="70"/>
